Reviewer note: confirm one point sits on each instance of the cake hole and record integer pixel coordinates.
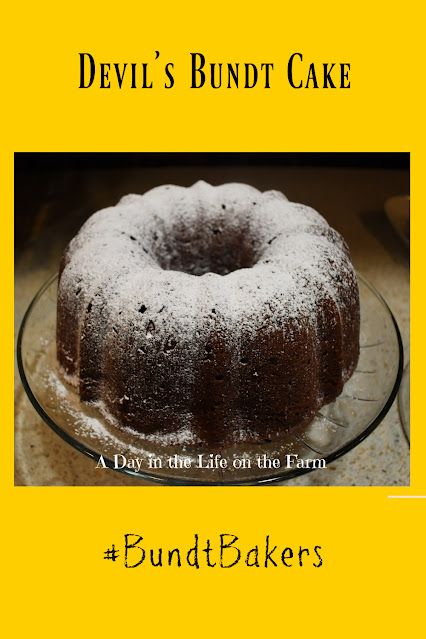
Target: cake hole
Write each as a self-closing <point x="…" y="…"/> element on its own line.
<point x="132" y="238"/>
<point x="272" y="239"/>
<point x="89" y="307"/>
<point x="222" y="246"/>
<point x="244" y="361"/>
<point x="115" y="330"/>
<point x="142" y="309"/>
<point x="78" y="291"/>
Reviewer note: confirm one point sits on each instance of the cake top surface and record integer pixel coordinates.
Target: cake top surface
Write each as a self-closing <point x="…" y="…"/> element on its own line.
<point x="205" y="254"/>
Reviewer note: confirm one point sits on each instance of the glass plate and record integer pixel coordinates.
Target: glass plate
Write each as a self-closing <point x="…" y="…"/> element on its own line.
<point x="404" y="402"/>
<point x="337" y="428"/>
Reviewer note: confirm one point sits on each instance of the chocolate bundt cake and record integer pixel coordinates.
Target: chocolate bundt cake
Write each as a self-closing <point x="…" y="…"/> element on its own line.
<point x="217" y="311"/>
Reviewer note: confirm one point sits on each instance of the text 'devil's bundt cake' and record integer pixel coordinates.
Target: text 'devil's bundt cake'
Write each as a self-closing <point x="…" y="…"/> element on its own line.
<point x="214" y="312"/>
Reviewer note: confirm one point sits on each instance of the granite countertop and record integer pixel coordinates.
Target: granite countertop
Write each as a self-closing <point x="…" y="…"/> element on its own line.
<point x="350" y="199"/>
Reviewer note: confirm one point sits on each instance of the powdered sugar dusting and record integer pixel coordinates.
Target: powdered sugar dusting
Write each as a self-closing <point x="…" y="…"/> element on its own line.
<point x="159" y="242"/>
<point x="98" y="429"/>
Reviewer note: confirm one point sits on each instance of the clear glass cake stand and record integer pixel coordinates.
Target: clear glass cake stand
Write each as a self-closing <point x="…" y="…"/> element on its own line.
<point x="404" y="402"/>
<point x="337" y="428"/>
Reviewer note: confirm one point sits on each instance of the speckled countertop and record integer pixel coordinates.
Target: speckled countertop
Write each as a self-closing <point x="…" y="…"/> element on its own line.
<point x="351" y="200"/>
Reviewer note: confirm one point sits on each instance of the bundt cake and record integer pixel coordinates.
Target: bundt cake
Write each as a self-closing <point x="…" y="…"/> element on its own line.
<point x="219" y="312"/>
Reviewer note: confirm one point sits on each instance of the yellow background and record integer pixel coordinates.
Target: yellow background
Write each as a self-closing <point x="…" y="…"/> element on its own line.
<point x="53" y="538"/>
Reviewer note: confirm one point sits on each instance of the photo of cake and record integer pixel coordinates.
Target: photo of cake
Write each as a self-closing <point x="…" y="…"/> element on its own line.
<point x="221" y="311"/>
<point x="210" y="319"/>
